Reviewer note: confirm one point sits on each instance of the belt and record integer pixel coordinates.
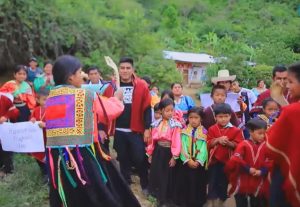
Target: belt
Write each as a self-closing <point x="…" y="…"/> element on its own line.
<point x="20" y="104"/>
<point x="164" y="143"/>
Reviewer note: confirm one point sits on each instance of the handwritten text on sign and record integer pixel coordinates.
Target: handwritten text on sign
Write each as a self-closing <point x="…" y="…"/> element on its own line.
<point x="22" y="137"/>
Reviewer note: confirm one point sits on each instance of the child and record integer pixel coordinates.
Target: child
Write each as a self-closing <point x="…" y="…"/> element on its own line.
<point x="163" y="152"/>
<point x="270" y="111"/>
<point x="248" y="167"/>
<point x="178" y="115"/>
<point x="8" y="112"/>
<point x="157" y="112"/>
<point x="38" y="114"/>
<point x="222" y="139"/>
<point x="218" y="94"/>
<point x="192" y="191"/>
<point x="24" y="98"/>
<point x="283" y="147"/>
<point x="80" y="173"/>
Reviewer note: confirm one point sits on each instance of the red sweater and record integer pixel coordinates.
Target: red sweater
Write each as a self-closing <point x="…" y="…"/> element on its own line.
<point x="7" y="109"/>
<point x="248" y="155"/>
<point x="283" y="146"/>
<point x="39" y="114"/>
<point x="220" y="153"/>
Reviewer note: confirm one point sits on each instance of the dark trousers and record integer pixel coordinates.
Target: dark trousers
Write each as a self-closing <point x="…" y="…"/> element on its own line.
<point x="241" y="200"/>
<point x="6" y="161"/>
<point x="277" y="195"/>
<point x="130" y="148"/>
<point x="217" y="182"/>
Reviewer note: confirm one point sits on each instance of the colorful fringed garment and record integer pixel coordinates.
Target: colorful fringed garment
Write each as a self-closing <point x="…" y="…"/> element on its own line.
<point x="69" y="117"/>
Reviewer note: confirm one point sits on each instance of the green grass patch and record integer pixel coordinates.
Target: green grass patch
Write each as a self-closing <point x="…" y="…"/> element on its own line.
<point x="25" y="187"/>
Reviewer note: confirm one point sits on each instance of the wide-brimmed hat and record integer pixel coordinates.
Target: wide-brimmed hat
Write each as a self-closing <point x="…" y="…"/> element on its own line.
<point x="223" y="75"/>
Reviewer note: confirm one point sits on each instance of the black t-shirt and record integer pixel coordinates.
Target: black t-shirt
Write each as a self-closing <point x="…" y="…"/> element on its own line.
<point x="123" y="121"/>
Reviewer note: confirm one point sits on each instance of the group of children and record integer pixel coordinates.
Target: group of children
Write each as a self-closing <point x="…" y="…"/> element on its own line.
<point x="193" y="158"/>
<point x="194" y="163"/>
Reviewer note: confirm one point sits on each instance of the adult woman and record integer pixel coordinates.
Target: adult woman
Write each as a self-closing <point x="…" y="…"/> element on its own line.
<point x="44" y="81"/>
<point x="182" y="103"/>
<point x="261" y="87"/>
<point x="24" y="98"/>
<point x="80" y="173"/>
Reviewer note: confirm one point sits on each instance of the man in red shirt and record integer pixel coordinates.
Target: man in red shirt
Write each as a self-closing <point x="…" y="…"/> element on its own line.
<point x="279" y="78"/>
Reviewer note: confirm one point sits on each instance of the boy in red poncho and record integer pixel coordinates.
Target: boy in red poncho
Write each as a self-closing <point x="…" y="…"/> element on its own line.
<point x="38" y="114"/>
<point x="248" y="167"/>
<point x="222" y="139"/>
<point x="7" y="112"/>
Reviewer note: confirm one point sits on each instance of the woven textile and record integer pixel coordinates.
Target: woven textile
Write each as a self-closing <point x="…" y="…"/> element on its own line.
<point x="69" y="117"/>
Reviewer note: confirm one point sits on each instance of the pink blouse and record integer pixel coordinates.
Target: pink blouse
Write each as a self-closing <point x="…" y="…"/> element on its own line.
<point x="166" y="131"/>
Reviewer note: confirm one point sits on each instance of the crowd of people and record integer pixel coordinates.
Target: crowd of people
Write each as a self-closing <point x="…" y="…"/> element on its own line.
<point x="183" y="154"/>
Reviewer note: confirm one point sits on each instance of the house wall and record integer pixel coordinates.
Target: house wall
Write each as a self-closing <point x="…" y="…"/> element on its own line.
<point x="192" y="73"/>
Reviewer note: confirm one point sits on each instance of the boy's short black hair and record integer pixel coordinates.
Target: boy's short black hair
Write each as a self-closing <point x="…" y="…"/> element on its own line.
<point x="222" y="108"/>
<point x="156" y="107"/>
<point x="91" y="68"/>
<point x="216" y="87"/>
<point x="126" y="60"/>
<point x="255" y="124"/>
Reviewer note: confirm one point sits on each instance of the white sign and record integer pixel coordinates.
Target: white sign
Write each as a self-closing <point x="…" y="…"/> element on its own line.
<point x="22" y="137"/>
<point x="231" y="99"/>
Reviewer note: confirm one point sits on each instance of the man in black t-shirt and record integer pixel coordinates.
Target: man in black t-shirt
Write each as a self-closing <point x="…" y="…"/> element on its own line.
<point x="133" y="125"/>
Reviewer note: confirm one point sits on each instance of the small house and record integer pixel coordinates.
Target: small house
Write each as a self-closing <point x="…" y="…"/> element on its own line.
<point x="191" y="65"/>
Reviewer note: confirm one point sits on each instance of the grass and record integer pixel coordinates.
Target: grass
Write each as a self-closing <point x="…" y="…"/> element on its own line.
<point x="25" y="187"/>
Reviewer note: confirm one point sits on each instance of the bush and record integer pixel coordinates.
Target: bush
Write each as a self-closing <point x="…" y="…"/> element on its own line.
<point x="260" y="72"/>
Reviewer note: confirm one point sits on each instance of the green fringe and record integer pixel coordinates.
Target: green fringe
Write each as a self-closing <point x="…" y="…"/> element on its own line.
<point x="100" y="168"/>
<point x="69" y="176"/>
<point x="60" y="187"/>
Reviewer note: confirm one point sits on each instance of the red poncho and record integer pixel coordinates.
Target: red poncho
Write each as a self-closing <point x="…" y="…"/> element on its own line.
<point x="283" y="146"/>
<point x="248" y="155"/>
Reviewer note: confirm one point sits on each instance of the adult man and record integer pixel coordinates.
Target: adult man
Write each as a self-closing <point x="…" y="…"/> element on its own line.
<point x="223" y="79"/>
<point x="95" y="77"/>
<point x="133" y="123"/>
<point x="106" y="89"/>
<point x="33" y="70"/>
<point x="278" y="90"/>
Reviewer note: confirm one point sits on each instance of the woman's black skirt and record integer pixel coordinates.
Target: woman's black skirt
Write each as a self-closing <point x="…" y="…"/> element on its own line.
<point x="105" y="186"/>
<point x="162" y="177"/>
